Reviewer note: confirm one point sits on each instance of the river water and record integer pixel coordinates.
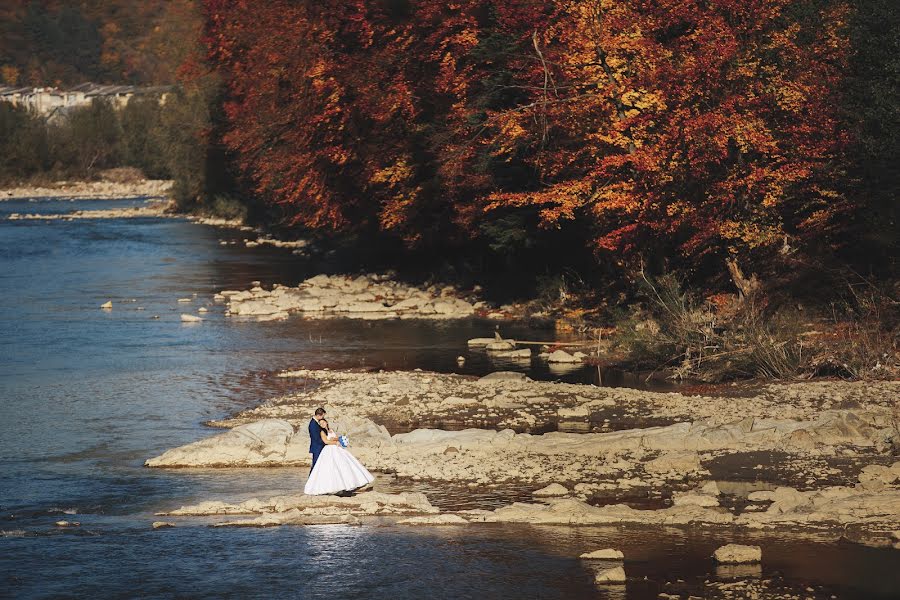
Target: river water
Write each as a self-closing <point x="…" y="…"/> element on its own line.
<point x="87" y="395"/>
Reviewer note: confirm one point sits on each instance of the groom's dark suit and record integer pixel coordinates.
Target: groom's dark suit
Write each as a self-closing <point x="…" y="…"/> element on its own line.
<point x="315" y="440"/>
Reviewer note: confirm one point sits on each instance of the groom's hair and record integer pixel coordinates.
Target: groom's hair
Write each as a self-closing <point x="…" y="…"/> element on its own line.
<point x="320" y="412"/>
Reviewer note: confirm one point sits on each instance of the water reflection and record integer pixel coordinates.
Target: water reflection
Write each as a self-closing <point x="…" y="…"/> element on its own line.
<point x="739" y="571"/>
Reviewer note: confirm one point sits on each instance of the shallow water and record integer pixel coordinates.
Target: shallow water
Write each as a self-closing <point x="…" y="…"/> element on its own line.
<point x="87" y="395"/>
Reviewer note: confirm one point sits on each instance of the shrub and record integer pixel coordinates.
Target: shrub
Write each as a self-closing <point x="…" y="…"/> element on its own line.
<point x="863" y="341"/>
<point x="226" y="207"/>
<point x="728" y="336"/>
<point x="696" y="338"/>
<point x="23" y="143"/>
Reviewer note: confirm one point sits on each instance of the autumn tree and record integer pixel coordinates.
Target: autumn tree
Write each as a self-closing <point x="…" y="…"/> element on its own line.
<point x="688" y="130"/>
<point x="680" y="128"/>
<point x="57" y="42"/>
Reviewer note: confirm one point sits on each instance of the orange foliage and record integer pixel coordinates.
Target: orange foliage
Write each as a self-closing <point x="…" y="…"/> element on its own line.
<point x="679" y="126"/>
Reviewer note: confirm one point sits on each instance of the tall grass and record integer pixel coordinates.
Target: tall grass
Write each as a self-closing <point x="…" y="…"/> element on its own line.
<point x="739" y="337"/>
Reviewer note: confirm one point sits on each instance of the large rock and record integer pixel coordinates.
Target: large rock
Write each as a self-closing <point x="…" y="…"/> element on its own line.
<point x="674" y="462"/>
<point x="694" y="499"/>
<point x="269" y="442"/>
<point x="415" y="302"/>
<point x="761" y="496"/>
<point x="364" y="297"/>
<point x="360" y="430"/>
<point x="844" y="427"/>
<point x="453" y="307"/>
<point x="552" y="490"/>
<point x="259" y="443"/>
<point x="878" y="473"/>
<point x="578" y="412"/>
<point x="561" y="356"/>
<point x="738" y="554"/>
<point x="503" y="376"/>
<point x="252" y="308"/>
<point x="841" y="505"/>
<point x="605" y="554"/>
<point x="361" y="307"/>
<point x="787" y="499"/>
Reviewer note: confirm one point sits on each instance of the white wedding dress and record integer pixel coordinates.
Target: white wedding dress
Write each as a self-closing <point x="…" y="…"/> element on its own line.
<point x="336" y="471"/>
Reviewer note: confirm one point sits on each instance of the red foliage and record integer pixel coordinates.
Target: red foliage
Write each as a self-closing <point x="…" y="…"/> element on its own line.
<point x="682" y="126"/>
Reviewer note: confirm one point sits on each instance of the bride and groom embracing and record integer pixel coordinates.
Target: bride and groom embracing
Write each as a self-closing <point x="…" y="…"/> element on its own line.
<point x="334" y="469"/>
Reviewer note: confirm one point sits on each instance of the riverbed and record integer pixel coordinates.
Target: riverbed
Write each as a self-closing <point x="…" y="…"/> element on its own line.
<point x="86" y="395"/>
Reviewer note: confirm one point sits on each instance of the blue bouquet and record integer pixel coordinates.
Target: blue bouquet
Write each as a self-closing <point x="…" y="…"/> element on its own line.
<point x="344" y="441"/>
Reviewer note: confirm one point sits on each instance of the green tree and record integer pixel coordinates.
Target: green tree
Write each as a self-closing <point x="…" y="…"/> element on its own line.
<point x="23" y="143"/>
<point x="142" y="137"/>
<point x="88" y="139"/>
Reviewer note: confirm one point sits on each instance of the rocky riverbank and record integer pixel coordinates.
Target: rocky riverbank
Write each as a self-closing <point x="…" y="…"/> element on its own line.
<point x="151" y="209"/>
<point x="310" y="510"/>
<point x="156" y="209"/>
<point x="142" y="188"/>
<point x="806" y="455"/>
<point x="362" y="297"/>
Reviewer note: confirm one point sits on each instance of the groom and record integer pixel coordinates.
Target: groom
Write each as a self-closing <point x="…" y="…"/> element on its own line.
<point x="315" y="436"/>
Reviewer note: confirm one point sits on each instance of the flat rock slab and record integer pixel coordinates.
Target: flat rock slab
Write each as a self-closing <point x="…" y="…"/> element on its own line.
<point x="738" y="554"/>
<point x="261" y="443"/>
<point x="434" y="520"/>
<point x="605" y="554"/>
<point x="291" y="518"/>
<point x="366" y="503"/>
<point x="368" y="297"/>
<point x="503" y="376"/>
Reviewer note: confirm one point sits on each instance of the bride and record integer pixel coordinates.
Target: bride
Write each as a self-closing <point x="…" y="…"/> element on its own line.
<point x="336" y="469"/>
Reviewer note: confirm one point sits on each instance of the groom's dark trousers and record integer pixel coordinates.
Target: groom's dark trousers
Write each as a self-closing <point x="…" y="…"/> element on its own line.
<point x="315" y="441"/>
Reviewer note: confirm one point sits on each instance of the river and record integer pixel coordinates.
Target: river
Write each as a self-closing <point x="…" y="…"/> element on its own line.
<point x="87" y="395"/>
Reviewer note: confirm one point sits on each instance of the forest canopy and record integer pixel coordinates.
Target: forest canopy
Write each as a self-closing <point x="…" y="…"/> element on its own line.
<point x="695" y="131"/>
<point x="62" y="43"/>
<point x="585" y="133"/>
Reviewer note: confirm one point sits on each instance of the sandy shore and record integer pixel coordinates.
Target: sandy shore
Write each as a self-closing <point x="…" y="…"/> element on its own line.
<point x="804" y="455"/>
<point x="144" y="188"/>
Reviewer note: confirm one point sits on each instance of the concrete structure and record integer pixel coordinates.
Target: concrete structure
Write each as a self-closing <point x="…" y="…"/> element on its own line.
<point x="53" y="102"/>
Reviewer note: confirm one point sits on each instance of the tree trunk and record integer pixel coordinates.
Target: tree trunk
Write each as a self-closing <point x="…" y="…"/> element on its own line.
<point x="746" y="287"/>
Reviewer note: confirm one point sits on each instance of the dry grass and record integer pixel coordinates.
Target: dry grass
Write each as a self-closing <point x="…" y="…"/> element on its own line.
<point x="863" y="340"/>
<point x="730" y="337"/>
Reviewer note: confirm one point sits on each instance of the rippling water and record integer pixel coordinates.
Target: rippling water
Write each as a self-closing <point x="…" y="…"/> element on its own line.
<point x="87" y="395"/>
